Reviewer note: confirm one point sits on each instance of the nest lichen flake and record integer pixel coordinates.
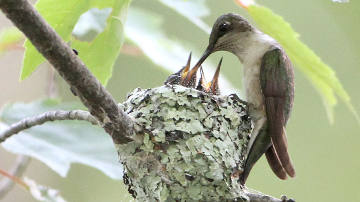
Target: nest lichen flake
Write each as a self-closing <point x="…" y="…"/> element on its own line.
<point x="191" y="145"/>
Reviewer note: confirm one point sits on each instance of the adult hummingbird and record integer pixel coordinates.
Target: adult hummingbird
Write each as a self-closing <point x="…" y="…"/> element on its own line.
<point x="269" y="89"/>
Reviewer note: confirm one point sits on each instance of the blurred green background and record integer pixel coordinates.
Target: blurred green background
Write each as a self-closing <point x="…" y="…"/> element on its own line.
<point x="325" y="155"/>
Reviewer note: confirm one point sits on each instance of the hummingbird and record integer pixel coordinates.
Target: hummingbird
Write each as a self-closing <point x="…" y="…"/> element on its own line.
<point x="268" y="80"/>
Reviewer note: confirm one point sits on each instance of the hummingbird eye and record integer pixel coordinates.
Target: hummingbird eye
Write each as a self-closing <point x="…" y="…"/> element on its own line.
<point x="224" y="27"/>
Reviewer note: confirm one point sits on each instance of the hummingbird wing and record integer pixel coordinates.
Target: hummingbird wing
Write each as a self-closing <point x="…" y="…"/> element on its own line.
<point x="277" y="84"/>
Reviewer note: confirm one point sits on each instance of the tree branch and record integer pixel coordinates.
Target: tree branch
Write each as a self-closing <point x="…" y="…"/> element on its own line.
<point x="45" y="117"/>
<point x="93" y="95"/>
<point x="256" y="196"/>
<point x="17" y="170"/>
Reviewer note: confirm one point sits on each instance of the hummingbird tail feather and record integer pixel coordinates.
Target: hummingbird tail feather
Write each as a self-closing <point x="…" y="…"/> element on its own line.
<point x="275" y="163"/>
<point x="288" y="165"/>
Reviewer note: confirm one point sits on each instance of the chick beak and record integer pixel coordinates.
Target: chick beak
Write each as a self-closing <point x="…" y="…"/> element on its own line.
<point x="190" y="78"/>
<point x="177" y="77"/>
<point x="202" y="82"/>
<point x="213" y="86"/>
<point x="186" y="68"/>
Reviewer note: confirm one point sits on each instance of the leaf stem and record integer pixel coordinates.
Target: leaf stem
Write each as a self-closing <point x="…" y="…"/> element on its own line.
<point x="245" y="3"/>
<point x="18" y="169"/>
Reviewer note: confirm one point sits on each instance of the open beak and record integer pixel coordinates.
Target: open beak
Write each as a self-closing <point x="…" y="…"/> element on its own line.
<point x="202" y="82"/>
<point x="213" y="86"/>
<point x="186" y="69"/>
<point x="191" y="75"/>
<point x="177" y="77"/>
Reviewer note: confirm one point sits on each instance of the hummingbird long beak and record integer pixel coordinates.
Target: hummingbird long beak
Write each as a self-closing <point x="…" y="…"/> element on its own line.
<point x="213" y="86"/>
<point x="192" y="73"/>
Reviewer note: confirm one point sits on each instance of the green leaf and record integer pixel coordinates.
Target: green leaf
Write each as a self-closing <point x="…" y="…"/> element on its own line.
<point x="157" y="46"/>
<point x="320" y="75"/>
<point x="91" y="23"/>
<point x="62" y="15"/>
<point x="9" y="37"/>
<point x="100" y="54"/>
<point x="58" y="144"/>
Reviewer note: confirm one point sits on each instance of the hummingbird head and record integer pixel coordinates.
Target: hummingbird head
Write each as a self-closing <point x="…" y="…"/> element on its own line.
<point x="230" y="32"/>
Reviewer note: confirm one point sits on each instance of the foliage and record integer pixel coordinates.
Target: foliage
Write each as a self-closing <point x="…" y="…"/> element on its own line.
<point x="100" y="54"/>
<point x="9" y="38"/>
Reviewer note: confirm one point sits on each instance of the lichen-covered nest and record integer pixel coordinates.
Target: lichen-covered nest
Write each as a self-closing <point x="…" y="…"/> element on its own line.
<point x="189" y="146"/>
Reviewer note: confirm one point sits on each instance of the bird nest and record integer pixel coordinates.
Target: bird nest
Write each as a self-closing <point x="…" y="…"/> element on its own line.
<point x="189" y="145"/>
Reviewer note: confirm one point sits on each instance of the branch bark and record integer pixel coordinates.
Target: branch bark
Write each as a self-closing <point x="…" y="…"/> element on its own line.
<point x="256" y="196"/>
<point x="93" y="95"/>
<point x="45" y="117"/>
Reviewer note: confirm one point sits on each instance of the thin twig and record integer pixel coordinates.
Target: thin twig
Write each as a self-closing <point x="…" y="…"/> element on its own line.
<point x="17" y="170"/>
<point x="45" y="117"/>
<point x="93" y="95"/>
<point x="256" y="196"/>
